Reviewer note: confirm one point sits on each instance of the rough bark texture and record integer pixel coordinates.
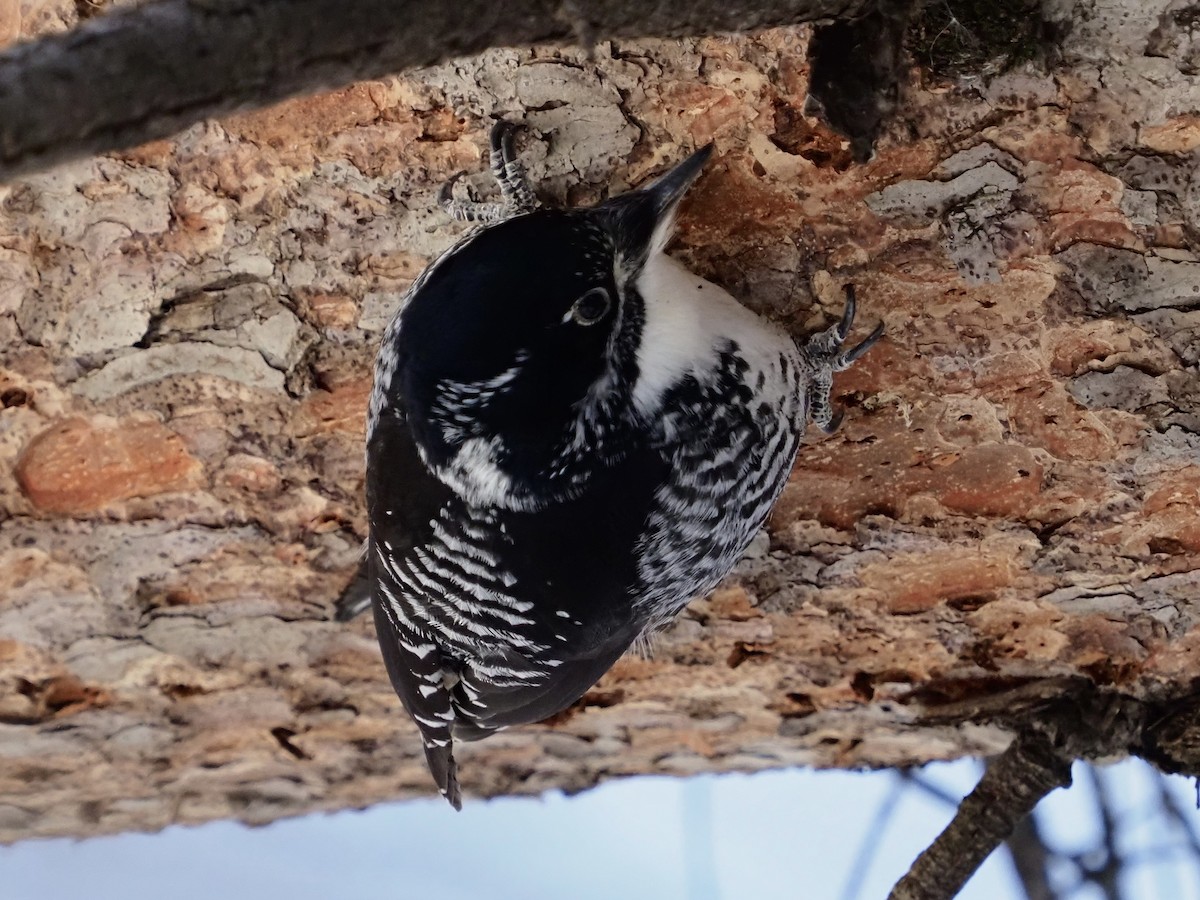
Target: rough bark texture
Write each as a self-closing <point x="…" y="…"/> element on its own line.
<point x="145" y="73"/>
<point x="1010" y="512"/>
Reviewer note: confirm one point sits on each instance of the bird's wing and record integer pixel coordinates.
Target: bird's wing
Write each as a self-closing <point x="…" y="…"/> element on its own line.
<point x="403" y="500"/>
<point x="485" y="705"/>
<point x="576" y="563"/>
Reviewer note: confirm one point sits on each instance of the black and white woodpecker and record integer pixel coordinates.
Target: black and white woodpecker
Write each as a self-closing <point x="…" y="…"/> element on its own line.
<point x="570" y="436"/>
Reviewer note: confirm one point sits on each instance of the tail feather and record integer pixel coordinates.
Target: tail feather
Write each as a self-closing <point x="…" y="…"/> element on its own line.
<point x="356" y="598"/>
<point x="416" y="669"/>
<point x="444" y="770"/>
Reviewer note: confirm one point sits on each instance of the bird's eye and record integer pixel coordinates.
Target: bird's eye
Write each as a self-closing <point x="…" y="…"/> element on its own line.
<point x="591" y="307"/>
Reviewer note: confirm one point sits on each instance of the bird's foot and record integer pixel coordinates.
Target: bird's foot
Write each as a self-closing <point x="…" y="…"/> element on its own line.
<point x="510" y="174"/>
<point x="826" y="353"/>
<point x="516" y="193"/>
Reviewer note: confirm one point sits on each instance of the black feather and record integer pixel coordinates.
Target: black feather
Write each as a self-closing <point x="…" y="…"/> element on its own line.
<point x="356" y="598"/>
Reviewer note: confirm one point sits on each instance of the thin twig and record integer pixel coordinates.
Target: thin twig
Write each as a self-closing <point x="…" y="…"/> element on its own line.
<point x="1031" y="859"/>
<point x="935" y="791"/>
<point x="1178" y="814"/>
<point x="872" y="839"/>
<point x="1106" y="876"/>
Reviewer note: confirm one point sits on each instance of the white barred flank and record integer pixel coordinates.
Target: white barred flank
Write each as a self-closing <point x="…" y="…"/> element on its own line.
<point x="682" y="554"/>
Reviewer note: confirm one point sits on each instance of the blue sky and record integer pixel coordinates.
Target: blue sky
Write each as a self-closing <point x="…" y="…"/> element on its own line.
<point x="789" y="834"/>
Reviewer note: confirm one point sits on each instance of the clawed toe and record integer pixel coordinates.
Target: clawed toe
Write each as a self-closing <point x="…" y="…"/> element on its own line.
<point x="835" y="422"/>
<point x="515" y="191"/>
<point x="469" y="210"/>
<point x="847" y="322"/>
<point x="446" y="195"/>
<point x="501" y="139"/>
<point x="861" y="347"/>
<point x="510" y="174"/>
<point x="825" y="354"/>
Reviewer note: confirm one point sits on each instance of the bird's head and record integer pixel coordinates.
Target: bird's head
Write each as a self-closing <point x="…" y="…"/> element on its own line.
<point x="517" y="351"/>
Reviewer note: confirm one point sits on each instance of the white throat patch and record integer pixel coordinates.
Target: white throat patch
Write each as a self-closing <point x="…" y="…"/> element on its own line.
<point x="686" y="321"/>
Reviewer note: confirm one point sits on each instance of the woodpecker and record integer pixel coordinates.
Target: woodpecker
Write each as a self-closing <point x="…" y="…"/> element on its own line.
<point x="570" y="435"/>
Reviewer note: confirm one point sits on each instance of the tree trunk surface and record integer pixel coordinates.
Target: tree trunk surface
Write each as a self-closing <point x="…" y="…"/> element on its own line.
<point x="1009" y="514"/>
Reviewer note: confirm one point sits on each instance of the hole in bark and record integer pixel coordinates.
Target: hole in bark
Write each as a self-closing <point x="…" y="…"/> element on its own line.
<point x="741" y="652"/>
<point x="862" y="686"/>
<point x="981" y="654"/>
<point x="563" y="716"/>
<point x="970" y="603"/>
<point x="85" y="9"/>
<point x="1109" y="672"/>
<point x="956" y="690"/>
<point x="965" y="417"/>
<point x="284" y="737"/>
<point x="92" y="811"/>
<point x="799" y="706"/>
<point x="13" y="397"/>
<point x="326" y="706"/>
<point x="1023" y="473"/>
<point x="181" y="691"/>
<point x="601" y="699"/>
<point x="1168" y="545"/>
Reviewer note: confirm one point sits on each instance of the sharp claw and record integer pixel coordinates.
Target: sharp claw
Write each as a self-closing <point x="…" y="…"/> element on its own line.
<point x="501" y="139"/>
<point x="506" y="146"/>
<point x="863" y="346"/>
<point x="848" y="315"/>
<point x="446" y="194"/>
<point x="498" y="133"/>
<point x="834" y="422"/>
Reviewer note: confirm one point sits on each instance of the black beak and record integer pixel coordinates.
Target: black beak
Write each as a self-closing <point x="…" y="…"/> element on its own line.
<point x="669" y="189"/>
<point x="643" y="220"/>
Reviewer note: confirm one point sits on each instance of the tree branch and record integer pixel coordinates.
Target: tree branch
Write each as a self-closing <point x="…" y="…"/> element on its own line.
<point x="1008" y="791"/>
<point x="1107" y="874"/>
<point x="144" y="73"/>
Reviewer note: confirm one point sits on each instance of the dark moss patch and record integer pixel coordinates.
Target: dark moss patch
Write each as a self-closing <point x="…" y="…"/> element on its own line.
<point x="960" y="38"/>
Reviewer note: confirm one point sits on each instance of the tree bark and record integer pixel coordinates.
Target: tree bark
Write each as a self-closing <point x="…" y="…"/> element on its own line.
<point x="147" y="72"/>
<point x="1010" y="513"/>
